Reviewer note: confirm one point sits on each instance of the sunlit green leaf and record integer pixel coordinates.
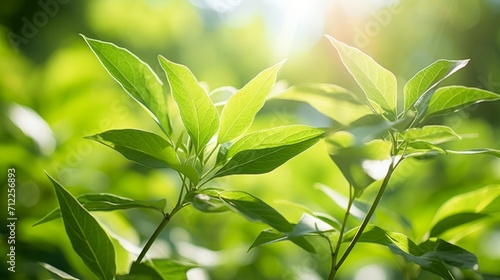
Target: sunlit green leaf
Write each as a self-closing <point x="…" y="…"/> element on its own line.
<point x="332" y="101"/>
<point x="452" y="98"/>
<point x="87" y="237"/>
<point x="146" y="148"/>
<point x="310" y="225"/>
<point x="198" y="113"/>
<point x="57" y="273"/>
<point x="263" y="160"/>
<point x="465" y="208"/>
<point x="274" y="137"/>
<point x="433" y="134"/>
<point x="419" y="89"/>
<point x="255" y="209"/>
<point x="266" y="237"/>
<point x="108" y="202"/>
<point x="172" y="270"/>
<point x="378" y="83"/>
<point x="136" y="78"/>
<point x="241" y="108"/>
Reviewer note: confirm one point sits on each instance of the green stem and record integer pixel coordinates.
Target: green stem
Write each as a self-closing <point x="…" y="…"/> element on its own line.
<point x="158" y="230"/>
<point x="334" y="269"/>
<point x="368" y="216"/>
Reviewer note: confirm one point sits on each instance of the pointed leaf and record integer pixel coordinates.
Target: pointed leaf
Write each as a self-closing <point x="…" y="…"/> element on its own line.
<point x="308" y="225"/>
<point x="433" y="134"/>
<point x="275" y="137"/>
<point x="241" y="108"/>
<point x="419" y="89"/>
<point x="146" y="148"/>
<point x="378" y="83"/>
<point x="255" y="209"/>
<point x="453" y="98"/>
<point x="332" y="101"/>
<point x="108" y="202"/>
<point x="136" y="78"/>
<point x="465" y="208"/>
<point x="198" y="113"/>
<point x="268" y="236"/>
<point x="450" y="254"/>
<point x="263" y="160"/>
<point x="87" y="237"/>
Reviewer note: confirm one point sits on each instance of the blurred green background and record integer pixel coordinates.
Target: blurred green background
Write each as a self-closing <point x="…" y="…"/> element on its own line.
<point x="53" y="92"/>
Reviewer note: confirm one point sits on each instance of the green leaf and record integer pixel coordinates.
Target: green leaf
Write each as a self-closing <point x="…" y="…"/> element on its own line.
<point x="172" y="270"/>
<point x="465" y="208"/>
<point x="423" y="150"/>
<point x="268" y="236"/>
<point x="57" y="273"/>
<point x="433" y="134"/>
<point x="220" y="96"/>
<point x="332" y="101"/>
<point x="255" y="209"/>
<point x="136" y="78"/>
<point x="433" y="255"/>
<point x="108" y="202"/>
<point x="263" y="160"/>
<point x="207" y="200"/>
<point x="419" y="89"/>
<point x="453" y="98"/>
<point x="87" y="237"/>
<point x="241" y="108"/>
<point x="274" y="137"/>
<point x="308" y="225"/>
<point x="198" y="113"/>
<point x="378" y="83"/>
<point x="360" y="165"/>
<point x="479" y="151"/>
<point x="146" y="148"/>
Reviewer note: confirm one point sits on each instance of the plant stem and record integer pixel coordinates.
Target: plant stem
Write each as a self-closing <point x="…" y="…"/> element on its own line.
<point x="368" y="216"/>
<point x="334" y="269"/>
<point x="158" y="230"/>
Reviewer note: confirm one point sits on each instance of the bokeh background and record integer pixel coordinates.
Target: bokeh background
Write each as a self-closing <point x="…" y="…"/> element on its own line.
<point x="53" y="92"/>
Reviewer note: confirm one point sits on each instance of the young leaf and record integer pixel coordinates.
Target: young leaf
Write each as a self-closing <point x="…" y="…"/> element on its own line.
<point x="207" y="200"/>
<point x="136" y="78"/>
<point x="453" y="98"/>
<point x="335" y="102"/>
<point x="466" y="208"/>
<point x="108" y="202"/>
<point x="241" y="108"/>
<point x="378" y="83"/>
<point x="263" y="160"/>
<point x="274" y="137"/>
<point x="308" y="225"/>
<point x="419" y="89"/>
<point x="198" y="113"/>
<point x="255" y="209"/>
<point x="88" y="238"/>
<point x="433" y="134"/>
<point x="146" y="148"/>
